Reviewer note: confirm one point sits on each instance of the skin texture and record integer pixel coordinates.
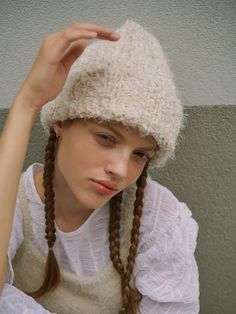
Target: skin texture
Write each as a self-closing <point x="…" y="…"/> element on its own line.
<point x="88" y="150"/>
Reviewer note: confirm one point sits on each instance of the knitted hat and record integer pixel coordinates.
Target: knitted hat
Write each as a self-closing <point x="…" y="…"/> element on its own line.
<point x="127" y="81"/>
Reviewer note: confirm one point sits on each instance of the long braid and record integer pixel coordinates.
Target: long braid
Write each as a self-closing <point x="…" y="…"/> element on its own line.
<point x="52" y="271"/>
<point x="114" y="232"/>
<point x="130" y="297"/>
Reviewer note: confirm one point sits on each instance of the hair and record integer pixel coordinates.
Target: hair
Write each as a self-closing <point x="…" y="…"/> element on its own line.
<point x="130" y="296"/>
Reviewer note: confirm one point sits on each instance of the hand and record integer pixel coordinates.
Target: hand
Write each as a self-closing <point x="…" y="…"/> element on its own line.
<point x="55" y="58"/>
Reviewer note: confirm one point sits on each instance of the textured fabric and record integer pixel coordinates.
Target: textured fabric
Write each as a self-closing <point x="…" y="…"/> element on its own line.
<point x="165" y="269"/>
<point x="127" y="81"/>
<point x="100" y="294"/>
<point x="14" y="301"/>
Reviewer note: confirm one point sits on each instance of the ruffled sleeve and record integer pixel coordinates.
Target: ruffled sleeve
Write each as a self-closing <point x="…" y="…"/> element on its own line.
<point x="14" y="301"/>
<point x="16" y="240"/>
<point x="165" y="270"/>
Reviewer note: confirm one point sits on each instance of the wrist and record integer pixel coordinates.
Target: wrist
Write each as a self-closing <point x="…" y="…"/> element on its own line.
<point x="25" y="103"/>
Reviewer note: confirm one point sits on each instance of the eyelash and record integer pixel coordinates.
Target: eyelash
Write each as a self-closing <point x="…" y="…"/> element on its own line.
<point x="103" y="136"/>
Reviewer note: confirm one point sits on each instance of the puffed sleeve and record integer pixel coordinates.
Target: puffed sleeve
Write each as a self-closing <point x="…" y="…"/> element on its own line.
<point x="166" y="271"/>
<point x="14" y="301"/>
<point x="16" y="240"/>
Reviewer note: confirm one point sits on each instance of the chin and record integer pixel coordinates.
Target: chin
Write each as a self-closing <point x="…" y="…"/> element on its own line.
<point x="96" y="204"/>
<point x="91" y="200"/>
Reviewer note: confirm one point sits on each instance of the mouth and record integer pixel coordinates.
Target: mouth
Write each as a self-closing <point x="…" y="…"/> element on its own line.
<point x="108" y="184"/>
<point x="101" y="188"/>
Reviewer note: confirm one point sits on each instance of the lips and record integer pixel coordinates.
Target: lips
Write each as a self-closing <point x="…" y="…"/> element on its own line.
<point x="107" y="184"/>
<point x="102" y="189"/>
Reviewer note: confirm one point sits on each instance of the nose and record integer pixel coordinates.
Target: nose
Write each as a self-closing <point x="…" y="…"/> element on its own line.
<point x="118" y="165"/>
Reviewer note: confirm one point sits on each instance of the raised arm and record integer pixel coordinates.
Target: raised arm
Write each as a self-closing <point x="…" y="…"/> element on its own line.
<point x="43" y="83"/>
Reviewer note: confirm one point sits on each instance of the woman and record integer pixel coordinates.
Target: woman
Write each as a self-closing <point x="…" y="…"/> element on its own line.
<point x="116" y="240"/>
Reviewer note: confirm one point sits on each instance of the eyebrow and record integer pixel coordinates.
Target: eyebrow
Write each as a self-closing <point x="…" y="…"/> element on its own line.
<point x="109" y="127"/>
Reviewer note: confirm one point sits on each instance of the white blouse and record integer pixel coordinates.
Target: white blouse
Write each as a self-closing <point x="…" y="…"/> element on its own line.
<point x="165" y="269"/>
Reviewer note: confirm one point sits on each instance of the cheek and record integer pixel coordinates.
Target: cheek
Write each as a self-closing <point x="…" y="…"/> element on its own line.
<point x="78" y="155"/>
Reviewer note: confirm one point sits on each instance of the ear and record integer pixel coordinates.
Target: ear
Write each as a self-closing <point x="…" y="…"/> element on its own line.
<point x="58" y="127"/>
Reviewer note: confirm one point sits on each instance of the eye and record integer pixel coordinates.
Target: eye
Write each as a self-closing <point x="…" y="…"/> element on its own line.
<point x="106" y="138"/>
<point x="143" y="156"/>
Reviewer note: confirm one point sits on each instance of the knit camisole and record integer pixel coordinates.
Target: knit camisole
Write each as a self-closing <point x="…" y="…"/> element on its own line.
<point x="97" y="294"/>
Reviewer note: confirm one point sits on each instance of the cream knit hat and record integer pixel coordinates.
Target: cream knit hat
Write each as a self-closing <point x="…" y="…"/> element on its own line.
<point x="127" y="81"/>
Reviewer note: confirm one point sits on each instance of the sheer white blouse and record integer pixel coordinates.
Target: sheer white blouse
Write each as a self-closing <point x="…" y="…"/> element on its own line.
<point x="165" y="269"/>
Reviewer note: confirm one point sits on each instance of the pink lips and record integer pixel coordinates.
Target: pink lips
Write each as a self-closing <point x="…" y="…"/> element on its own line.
<point x="107" y="184"/>
<point x="101" y="188"/>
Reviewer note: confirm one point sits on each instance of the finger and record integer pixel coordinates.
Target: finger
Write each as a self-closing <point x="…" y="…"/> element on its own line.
<point x="75" y="51"/>
<point x="62" y="42"/>
<point x="102" y="32"/>
<point x="111" y="37"/>
<point x="70" y="35"/>
<point x="78" y="47"/>
<point x="100" y="29"/>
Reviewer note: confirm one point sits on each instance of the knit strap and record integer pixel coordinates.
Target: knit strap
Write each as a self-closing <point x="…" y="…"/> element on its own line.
<point x="124" y="251"/>
<point x="24" y="208"/>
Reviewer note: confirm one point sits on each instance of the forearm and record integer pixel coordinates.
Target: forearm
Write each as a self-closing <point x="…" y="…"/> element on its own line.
<point x="13" y="147"/>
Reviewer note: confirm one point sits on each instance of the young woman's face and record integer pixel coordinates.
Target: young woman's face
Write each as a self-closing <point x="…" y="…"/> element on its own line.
<point x="88" y="151"/>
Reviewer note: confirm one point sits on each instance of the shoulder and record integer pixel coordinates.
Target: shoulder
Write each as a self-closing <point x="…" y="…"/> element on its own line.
<point x="161" y="208"/>
<point x="25" y="189"/>
<point x="30" y="175"/>
<point x="159" y="193"/>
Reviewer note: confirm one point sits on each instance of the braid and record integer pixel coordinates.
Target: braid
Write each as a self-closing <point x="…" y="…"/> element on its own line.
<point x="114" y="232"/>
<point x="49" y="192"/>
<point x="52" y="271"/>
<point x="130" y="297"/>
